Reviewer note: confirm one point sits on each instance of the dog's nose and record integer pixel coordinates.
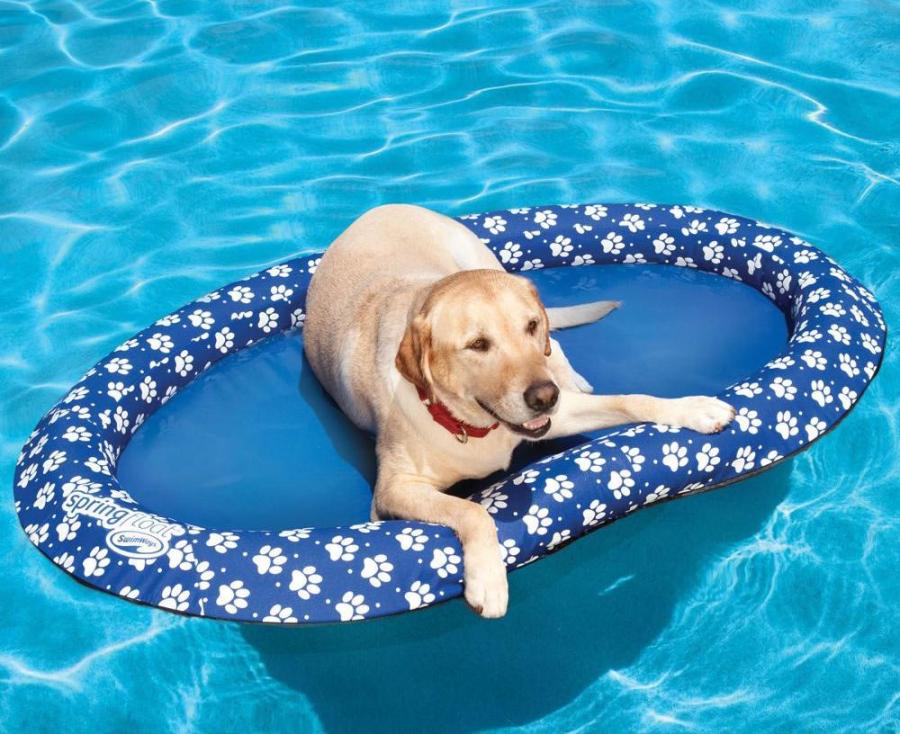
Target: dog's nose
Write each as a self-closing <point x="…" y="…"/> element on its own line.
<point x="541" y="396"/>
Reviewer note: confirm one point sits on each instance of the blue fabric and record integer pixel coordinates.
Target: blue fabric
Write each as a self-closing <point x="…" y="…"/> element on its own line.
<point x="72" y="508"/>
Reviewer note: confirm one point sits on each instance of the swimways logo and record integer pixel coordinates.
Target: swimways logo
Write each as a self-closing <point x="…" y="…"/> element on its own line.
<point x="132" y="533"/>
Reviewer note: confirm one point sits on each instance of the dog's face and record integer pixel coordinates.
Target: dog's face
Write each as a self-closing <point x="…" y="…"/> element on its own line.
<point x="480" y="344"/>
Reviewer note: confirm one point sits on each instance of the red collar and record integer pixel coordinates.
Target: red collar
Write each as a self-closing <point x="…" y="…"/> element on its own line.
<point x="441" y="415"/>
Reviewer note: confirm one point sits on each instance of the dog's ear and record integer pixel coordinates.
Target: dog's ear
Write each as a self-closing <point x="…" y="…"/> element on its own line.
<point x="545" y="318"/>
<point x="413" y="356"/>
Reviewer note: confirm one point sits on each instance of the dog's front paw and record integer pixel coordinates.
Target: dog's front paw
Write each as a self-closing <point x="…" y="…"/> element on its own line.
<point x="701" y="414"/>
<point x="487" y="591"/>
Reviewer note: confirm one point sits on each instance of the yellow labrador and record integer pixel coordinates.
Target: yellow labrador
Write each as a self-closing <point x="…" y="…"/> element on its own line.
<point x="421" y="337"/>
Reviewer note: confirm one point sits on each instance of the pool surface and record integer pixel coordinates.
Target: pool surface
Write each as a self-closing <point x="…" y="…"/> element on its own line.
<point x="152" y="151"/>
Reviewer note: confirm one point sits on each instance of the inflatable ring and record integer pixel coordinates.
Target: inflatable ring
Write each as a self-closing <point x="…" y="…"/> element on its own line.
<point x="72" y="508"/>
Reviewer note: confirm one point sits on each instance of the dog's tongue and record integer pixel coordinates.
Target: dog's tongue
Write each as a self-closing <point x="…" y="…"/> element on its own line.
<point x="535" y="423"/>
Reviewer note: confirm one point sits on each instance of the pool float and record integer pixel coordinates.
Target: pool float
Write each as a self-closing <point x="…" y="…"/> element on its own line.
<point x="789" y="388"/>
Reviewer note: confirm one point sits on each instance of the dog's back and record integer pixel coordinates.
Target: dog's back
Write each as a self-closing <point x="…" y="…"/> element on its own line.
<point x="360" y="295"/>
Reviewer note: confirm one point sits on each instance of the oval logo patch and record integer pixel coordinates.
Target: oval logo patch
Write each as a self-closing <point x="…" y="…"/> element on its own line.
<point x="135" y="543"/>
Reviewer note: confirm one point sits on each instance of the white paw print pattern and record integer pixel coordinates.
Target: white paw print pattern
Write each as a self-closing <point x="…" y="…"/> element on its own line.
<point x="612" y="243"/>
<point x="561" y="246"/>
<point x="341" y="548"/>
<point x="267" y="320"/>
<point x="674" y="456"/>
<point x="527" y="477"/>
<point x="445" y="561"/>
<point x="591" y="461"/>
<point x="620" y="483"/>
<point x="707" y="458"/>
<point x="269" y="559"/>
<point x="175" y="597"/>
<point x="96" y="562"/>
<point x="786" y="425"/>
<point x="744" y="460"/>
<point x="352" y="607"/>
<point x="222" y="542"/>
<point x="413" y="539"/>
<point x="280" y="615"/>
<point x="306" y="582"/>
<point x="509" y="551"/>
<point x="377" y="570"/>
<point x="593" y="514"/>
<point x="494" y="502"/>
<point x="511" y="253"/>
<point x="233" y="596"/>
<point x="559" y="487"/>
<point x="537" y="520"/>
<point x="664" y="244"/>
<point x="748" y="420"/>
<point x="419" y="595"/>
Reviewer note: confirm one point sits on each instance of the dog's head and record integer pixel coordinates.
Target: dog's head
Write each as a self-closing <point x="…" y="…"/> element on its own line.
<point x="480" y="345"/>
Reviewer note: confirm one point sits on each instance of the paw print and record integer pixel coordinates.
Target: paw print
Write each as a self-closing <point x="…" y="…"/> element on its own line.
<point x="781" y="363"/>
<point x="593" y="513"/>
<point x="68" y="528"/>
<point x="44" y="495"/>
<point x="201" y="319"/>
<point x="77" y="433"/>
<point x="726" y="225"/>
<point x="148" y="389"/>
<point x="222" y="542"/>
<point x="744" y="460"/>
<point x="29" y="473"/>
<point x="559" y="487"/>
<point x="847" y="364"/>
<point x="527" y="477"/>
<point x="633" y="222"/>
<point x="815" y="428"/>
<point x="495" y="224"/>
<point x="445" y="561"/>
<point x="770" y="458"/>
<point x="612" y="243"/>
<point x="537" y="520"/>
<point x="65" y="561"/>
<point x="280" y="615"/>
<point x="820" y="392"/>
<point x="241" y="294"/>
<point x="175" y="597"/>
<point x="341" y="548"/>
<point x="204" y="575"/>
<point x="509" y="551"/>
<point x="783" y="281"/>
<point x="847" y="397"/>
<point x="559" y="538"/>
<point x="659" y="493"/>
<point x="305" y="582"/>
<point x="634" y="456"/>
<point x="297" y="318"/>
<point x="591" y="461"/>
<point x="839" y="334"/>
<point x="767" y="242"/>
<point x="620" y="483"/>
<point x="754" y="264"/>
<point x="352" y="607"/>
<point x="664" y="244"/>
<point x="95" y="564"/>
<point x="674" y="456"/>
<point x="545" y="219"/>
<point x="267" y="320"/>
<point x="832" y="309"/>
<point x="377" y="570"/>
<point x="121" y="419"/>
<point x="118" y="366"/>
<point x="511" y="253"/>
<point x="786" y="425"/>
<point x="37" y="534"/>
<point x="233" y="596"/>
<point x="814" y="359"/>
<point x="533" y="264"/>
<point x="595" y="211"/>
<point x="713" y="252"/>
<point x="282" y="271"/>
<point x="748" y="420"/>
<point x="160" y="343"/>
<point x="783" y="388"/>
<point x="295" y="535"/>
<point x="561" y="246"/>
<point x="748" y="389"/>
<point x="80" y="484"/>
<point x="412" y="539"/>
<point x="269" y="560"/>
<point x="707" y="458"/>
<point x="695" y="227"/>
<point x="586" y="259"/>
<point x="419" y="595"/>
<point x="280" y="293"/>
<point x="181" y="556"/>
<point x="494" y="502"/>
<point x="184" y="363"/>
<point x="224" y="339"/>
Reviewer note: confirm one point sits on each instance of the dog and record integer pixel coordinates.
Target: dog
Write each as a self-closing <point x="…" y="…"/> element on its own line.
<point x="422" y="338"/>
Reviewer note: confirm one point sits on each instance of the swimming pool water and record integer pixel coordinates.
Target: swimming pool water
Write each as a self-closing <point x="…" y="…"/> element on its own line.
<point x="150" y="151"/>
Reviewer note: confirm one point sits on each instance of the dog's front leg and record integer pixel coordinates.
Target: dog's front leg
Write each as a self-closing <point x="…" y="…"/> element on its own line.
<point x="410" y="498"/>
<point x="579" y="413"/>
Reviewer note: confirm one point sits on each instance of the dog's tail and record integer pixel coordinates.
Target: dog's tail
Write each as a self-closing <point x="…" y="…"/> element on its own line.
<point x="564" y="317"/>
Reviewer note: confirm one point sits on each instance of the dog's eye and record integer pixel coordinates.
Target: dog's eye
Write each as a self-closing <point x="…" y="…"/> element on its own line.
<point x="479" y="345"/>
<point x="532" y="326"/>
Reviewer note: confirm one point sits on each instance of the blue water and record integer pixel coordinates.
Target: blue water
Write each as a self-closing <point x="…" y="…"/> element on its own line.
<point x="150" y="151"/>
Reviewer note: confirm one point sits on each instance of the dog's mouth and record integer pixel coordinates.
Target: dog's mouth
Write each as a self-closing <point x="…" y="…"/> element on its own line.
<point x="534" y="428"/>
